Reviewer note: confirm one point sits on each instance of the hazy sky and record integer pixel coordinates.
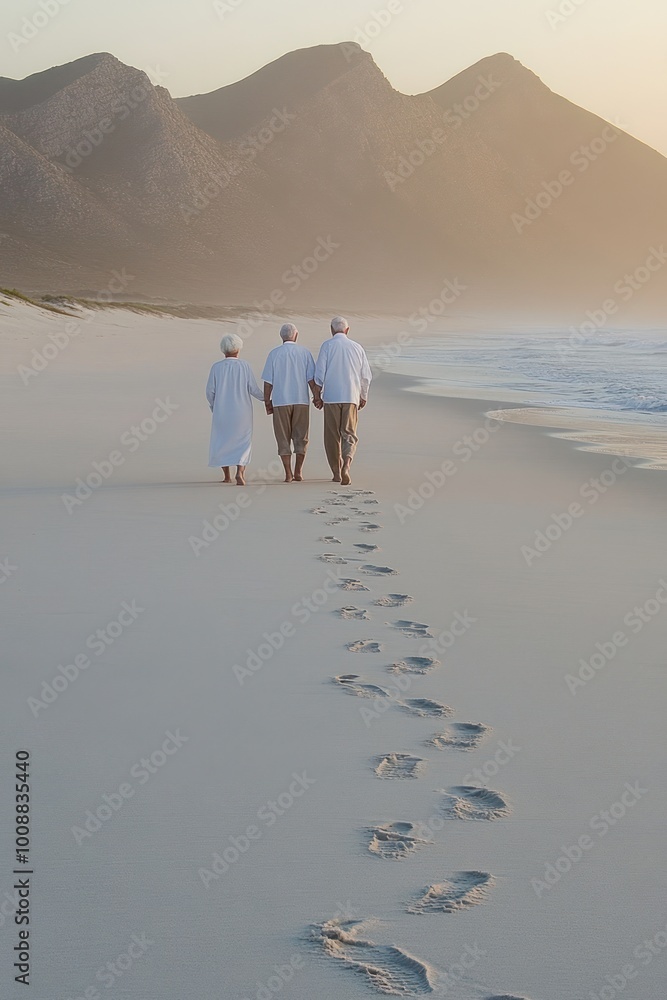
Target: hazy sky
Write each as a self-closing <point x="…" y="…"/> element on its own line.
<point x="610" y="56"/>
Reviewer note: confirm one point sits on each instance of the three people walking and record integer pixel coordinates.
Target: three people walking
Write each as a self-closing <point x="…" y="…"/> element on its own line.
<point x="339" y="384"/>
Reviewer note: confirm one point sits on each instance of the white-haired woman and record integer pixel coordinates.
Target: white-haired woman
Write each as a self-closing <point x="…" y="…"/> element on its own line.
<point x="231" y="386"/>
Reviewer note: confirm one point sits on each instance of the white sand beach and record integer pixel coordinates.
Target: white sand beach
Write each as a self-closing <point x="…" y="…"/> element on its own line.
<point x="210" y="802"/>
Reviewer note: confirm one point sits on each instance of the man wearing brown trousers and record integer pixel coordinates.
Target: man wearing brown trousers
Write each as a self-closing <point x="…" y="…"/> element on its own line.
<point x="288" y="373"/>
<point x="342" y="380"/>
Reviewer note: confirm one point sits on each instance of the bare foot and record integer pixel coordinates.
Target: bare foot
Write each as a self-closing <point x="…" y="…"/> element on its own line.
<point x="289" y="478"/>
<point x="240" y="480"/>
<point x="228" y="481"/>
<point x="345" y="475"/>
<point x="336" y="479"/>
<point x="298" y="478"/>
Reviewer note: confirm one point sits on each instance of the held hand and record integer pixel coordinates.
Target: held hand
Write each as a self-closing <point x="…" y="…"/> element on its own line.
<point x="318" y="404"/>
<point x="362" y="403"/>
<point x="269" y="409"/>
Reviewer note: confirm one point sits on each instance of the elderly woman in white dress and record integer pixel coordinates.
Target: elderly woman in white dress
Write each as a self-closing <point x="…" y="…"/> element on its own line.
<point x="231" y="386"/>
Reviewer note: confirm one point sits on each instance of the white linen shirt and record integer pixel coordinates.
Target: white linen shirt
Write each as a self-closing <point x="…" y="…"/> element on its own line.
<point x="343" y="370"/>
<point x="289" y="368"/>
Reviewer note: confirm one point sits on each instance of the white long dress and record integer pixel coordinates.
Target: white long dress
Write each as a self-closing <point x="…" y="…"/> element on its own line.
<point x="231" y="386"/>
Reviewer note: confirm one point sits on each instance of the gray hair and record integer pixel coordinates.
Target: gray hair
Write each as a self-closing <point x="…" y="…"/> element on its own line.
<point x="288" y="331"/>
<point x="339" y="325"/>
<point x="231" y="343"/>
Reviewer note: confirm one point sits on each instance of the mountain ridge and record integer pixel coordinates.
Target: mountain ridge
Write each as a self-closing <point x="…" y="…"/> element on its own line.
<point x="217" y="197"/>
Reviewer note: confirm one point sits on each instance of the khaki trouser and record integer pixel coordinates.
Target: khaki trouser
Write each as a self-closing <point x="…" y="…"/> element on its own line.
<point x="340" y="433"/>
<point x="291" y="424"/>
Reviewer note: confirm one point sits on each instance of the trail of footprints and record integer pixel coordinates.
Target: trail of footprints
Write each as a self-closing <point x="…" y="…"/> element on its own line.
<point x="389" y="969"/>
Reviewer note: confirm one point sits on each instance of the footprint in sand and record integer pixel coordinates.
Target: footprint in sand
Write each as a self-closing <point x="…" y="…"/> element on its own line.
<point x="364" y="646"/>
<point x="506" y="996"/>
<point x="336" y="520"/>
<point x="419" y="665"/>
<point x="395" y="841"/>
<point x="386" y="968"/>
<point x="413" y="630"/>
<point x="460" y="736"/>
<point x="398" y="765"/>
<point x="368" y="526"/>
<point x="351" y="585"/>
<point x="367" y="548"/>
<point x="393" y="600"/>
<point x="331" y="540"/>
<point x="370" y="570"/>
<point x="421" y="707"/>
<point x="459" y="892"/>
<point x="348" y="494"/>
<point x="355" y="685"/>
<point x="426" y="708"/>
<point x="472" y="802"/>
<point x="353" y="614"/>
<point x="331" y="557"/>
<point x="319" y="510"/>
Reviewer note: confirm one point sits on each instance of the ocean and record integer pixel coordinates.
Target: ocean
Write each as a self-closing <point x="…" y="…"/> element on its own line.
<point x="605" y="392"/>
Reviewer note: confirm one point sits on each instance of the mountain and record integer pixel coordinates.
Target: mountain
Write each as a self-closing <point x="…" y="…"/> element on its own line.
<point x="232" y="111"/>
<point x="609" y="212"/>
<point x="313" y="183"/>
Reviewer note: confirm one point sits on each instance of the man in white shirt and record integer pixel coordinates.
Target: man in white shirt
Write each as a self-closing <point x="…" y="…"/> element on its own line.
<point x="288" y="372"/>
<point x="342" y="380"/>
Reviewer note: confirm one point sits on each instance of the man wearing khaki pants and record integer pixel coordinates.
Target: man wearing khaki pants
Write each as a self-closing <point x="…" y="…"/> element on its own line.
<point x="288" y="372"/>
<point x="342" y="380"/>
